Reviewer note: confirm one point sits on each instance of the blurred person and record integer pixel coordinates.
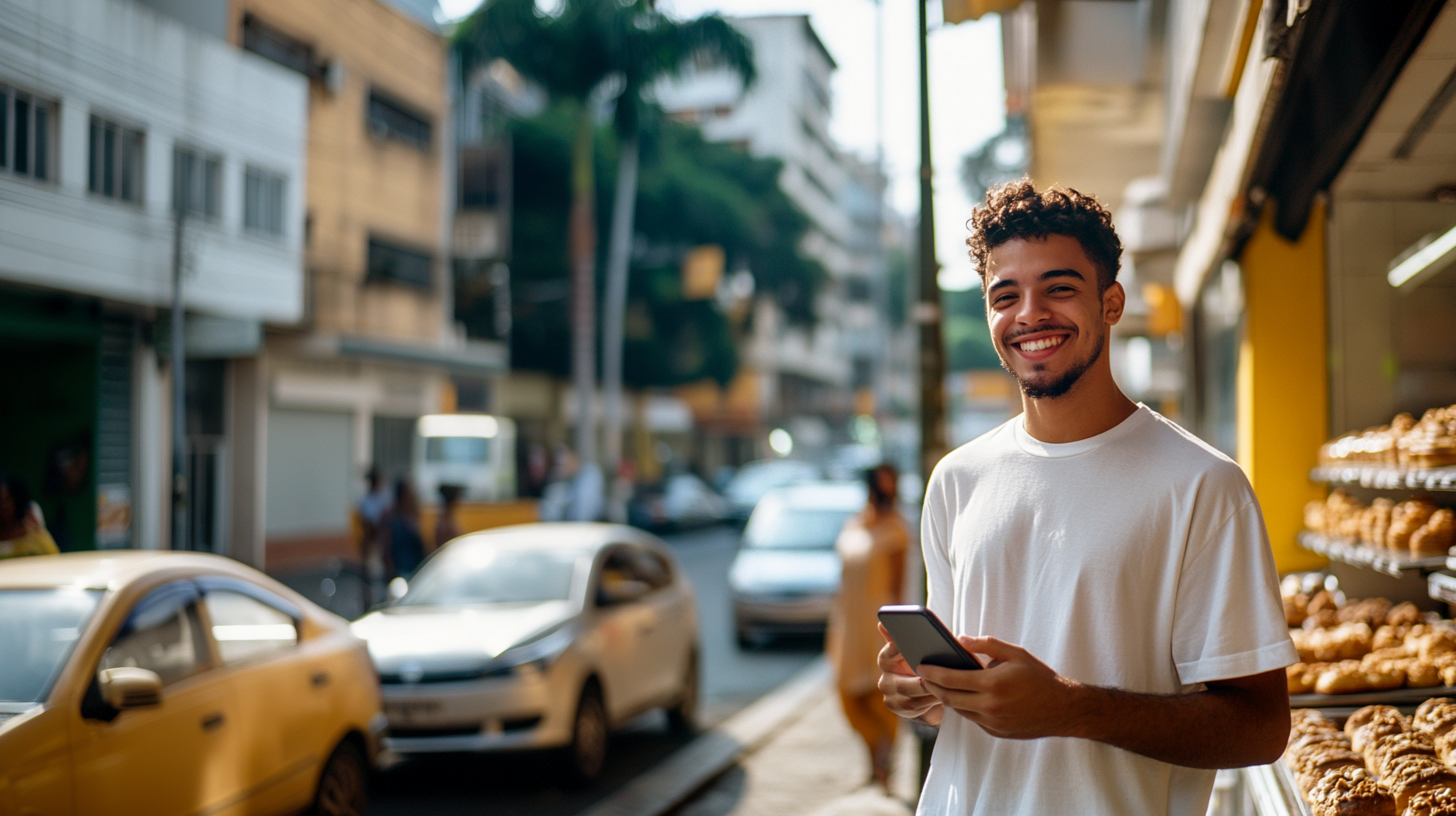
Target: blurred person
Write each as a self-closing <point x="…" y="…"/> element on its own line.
<point x="871" y="550"/>
<point x="447" y="526"/>
<point x="406" y="545"/>
<point x="556" y="495"/>
<point x="372" y="508"/>
<point x="1112" y="570"/>
<point x="22" y="529"/>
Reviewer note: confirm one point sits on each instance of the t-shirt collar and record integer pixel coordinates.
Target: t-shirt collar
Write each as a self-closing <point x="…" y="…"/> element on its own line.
<point x="1061" y="450"/>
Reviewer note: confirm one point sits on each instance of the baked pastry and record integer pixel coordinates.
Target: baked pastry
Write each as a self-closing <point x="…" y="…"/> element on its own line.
<point x="1436" y="535"/>
<point x="1389" y="636"/>
<point x="1432" y="802"/>
<point x="1296" y="609"/>
<point x="1304" y="721"/>
<point x="1375" y="522"/>
<point x="1347" y="795"/>
<point x="1415" y="776"/>
<point x="1345" y="677"/>
<point x="1408" y="517"/>
<point x="1377" y="721"/>
<point x="1382" y="754"/>
<point x="1404" y="613"/>
<point x="1370" y="611"/>
<point x="1301" y="677"/>
<point x="1420" y="673"/>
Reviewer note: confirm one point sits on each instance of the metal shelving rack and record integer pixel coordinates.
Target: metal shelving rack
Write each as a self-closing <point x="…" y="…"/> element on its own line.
<point x="1384" y="477"/>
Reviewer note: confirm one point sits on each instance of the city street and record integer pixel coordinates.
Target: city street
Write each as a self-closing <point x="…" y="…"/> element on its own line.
<point x="523" y="784"/>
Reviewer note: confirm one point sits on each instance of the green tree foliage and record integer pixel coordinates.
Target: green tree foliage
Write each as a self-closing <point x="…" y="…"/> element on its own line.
<point x="967" y="337"/>
<point x="690" y="192"/>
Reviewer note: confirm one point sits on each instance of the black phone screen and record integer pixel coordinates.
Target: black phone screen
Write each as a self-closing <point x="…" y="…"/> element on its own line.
<point x="922" y="638"/>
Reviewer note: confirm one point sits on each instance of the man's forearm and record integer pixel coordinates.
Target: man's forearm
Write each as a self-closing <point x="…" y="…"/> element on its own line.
<point x="1221" y="727"/>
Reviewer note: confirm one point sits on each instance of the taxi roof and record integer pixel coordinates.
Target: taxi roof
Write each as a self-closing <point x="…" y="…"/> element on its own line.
<point x="107" y="569"/>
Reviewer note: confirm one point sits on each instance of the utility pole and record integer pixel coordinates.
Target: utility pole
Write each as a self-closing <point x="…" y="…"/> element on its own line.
<point x="927" y="309"/>
<point x="179" y="392"/>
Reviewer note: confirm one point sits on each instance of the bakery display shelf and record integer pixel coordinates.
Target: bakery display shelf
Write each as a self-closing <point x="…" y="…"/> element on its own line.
<point x="1442" y="585"/>
<point x="1390" y="562"/>
<point x="1273" y="791"/>
<point x="1387" y="478"/>
<point x="1332" y="704"/>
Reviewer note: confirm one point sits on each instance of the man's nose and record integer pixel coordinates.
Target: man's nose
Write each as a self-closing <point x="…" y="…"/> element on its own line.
<point x="1033" y="309"/>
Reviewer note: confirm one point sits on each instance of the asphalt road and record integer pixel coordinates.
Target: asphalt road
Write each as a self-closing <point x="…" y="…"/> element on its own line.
<point x="523" y="784"/>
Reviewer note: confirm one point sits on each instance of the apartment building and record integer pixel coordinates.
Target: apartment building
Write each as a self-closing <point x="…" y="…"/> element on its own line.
<point x="114" y="116"/>
<point x="804" y="379"/>
<point x="377" y="346"/>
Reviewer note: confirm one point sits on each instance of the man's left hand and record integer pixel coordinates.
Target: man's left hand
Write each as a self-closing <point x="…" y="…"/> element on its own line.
<point x="1015" y="697"/>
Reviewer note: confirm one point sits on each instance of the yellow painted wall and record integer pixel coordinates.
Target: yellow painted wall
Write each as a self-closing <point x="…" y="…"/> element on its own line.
<point x="360" y="185"/>
<point x="1283" y="380"/>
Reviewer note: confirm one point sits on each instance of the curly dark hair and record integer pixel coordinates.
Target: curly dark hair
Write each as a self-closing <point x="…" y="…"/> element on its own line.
<point x="1016" y="210"/>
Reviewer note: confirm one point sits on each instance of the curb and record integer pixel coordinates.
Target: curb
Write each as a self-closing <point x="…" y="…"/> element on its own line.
<point x="679" y="776"/>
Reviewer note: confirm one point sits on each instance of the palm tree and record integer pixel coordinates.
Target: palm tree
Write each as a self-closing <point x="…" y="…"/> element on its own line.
<point x="587" y="48"/>
<point x="659" y="48"/>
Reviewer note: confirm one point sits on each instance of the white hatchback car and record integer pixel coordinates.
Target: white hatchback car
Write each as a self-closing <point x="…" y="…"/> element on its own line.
<point x="536" y="636"/>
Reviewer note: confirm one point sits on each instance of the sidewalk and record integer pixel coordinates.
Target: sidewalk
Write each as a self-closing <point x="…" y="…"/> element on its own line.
<point x="792" y="753"/>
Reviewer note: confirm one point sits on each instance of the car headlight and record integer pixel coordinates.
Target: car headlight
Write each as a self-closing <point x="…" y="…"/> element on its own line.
<point x="540" y="651"/>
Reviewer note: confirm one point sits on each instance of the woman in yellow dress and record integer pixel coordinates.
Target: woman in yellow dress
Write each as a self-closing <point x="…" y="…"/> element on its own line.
<point x="871" y="550"/>
<point x="21" y="530"/>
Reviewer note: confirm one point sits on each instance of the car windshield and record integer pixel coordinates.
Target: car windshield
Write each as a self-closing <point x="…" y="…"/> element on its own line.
<point x="781" y="527"/>
<point x="482" y="575"/>
<point x="759" y="479"/>
<point x="457" y="450"/>
<point x="40" y="628"/>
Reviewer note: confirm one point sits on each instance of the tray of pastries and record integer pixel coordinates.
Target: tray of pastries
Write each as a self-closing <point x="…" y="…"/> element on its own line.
<point x="1380" y="763"/>
<point x="1367" y="651"/>
<point x="1415" y="528"/>
<point x="1406" y="442"/>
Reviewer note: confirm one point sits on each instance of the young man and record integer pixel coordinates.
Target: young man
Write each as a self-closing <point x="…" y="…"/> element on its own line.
<point x="1112" y="570"/>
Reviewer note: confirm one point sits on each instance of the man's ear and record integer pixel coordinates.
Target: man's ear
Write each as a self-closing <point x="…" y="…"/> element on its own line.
<point x="1114" y="300"/>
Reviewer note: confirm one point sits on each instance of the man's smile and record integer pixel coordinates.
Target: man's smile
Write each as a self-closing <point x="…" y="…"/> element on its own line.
<point x="1039" y="347"/>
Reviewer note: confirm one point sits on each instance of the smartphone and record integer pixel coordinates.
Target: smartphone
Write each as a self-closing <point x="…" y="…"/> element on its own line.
<point x="922" y="638"/>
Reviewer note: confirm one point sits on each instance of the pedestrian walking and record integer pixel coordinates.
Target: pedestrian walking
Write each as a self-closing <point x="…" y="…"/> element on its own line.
<point x="22" y="530"/>
<point x="447" y="526"/>
<point x="406" y="545"/>
<point x="1112" y="571"/>
<point x="372" y="508"/>
<point x="871" y="550"/>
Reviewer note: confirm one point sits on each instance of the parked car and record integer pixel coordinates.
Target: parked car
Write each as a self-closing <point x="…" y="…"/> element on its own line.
<point x="538" y="636"/>
<point x="683" y="501"/>
<point x="168" y="683"/>
<point x="786" y="572"/>
<point x="755" y="479"/>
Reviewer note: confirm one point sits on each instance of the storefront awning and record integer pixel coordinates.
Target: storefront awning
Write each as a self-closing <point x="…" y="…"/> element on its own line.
<point x="474" y="357"/>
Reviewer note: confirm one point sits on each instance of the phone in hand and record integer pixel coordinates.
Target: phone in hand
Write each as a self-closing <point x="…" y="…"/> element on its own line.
<point x="922" y="638"/>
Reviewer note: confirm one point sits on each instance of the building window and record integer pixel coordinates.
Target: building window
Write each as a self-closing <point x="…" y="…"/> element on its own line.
<point x="196" y="182"/>
<point x="272" y="44"/>
<point x="395" y="263"/>
<point x="263" y="201"/>
<point x="27" y="125"/>
<point x="116" y="161"/>
<point x="389" y="119"/>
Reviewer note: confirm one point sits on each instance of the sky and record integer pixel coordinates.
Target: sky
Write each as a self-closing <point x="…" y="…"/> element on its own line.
<point x="967" y="97"/>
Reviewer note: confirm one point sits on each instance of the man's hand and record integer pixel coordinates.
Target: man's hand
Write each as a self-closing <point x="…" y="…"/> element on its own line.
<point x="1015" y="697"/>
<point x="904" y="691"/>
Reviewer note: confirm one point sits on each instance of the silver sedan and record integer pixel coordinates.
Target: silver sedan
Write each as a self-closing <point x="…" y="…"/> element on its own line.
<point x="539" y="636"/>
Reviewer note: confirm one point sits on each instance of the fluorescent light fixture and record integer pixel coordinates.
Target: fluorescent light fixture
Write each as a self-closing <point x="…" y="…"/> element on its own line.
<point x="1425" y="258"/>
<point x="459" y="425"/>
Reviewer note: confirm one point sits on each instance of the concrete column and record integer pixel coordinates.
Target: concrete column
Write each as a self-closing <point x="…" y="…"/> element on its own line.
<point x="248" y="432"/>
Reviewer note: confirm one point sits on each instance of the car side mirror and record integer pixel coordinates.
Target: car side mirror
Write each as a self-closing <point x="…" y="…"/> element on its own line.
<point x="619" y="592"/>
<point x="127" y="687"/>
<point x="398" y="588"/>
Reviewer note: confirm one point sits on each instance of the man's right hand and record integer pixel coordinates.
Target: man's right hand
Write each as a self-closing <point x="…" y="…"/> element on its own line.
<point x="904" y="691"/>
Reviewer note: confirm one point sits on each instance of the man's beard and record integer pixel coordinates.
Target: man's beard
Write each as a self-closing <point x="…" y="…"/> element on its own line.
<point x="1061" y="385"/>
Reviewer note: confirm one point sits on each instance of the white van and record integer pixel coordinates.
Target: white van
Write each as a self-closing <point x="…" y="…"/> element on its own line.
<point x="475" y="451"/>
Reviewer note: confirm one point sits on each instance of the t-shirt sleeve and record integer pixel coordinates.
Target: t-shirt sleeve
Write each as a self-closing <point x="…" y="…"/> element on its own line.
<point x="935" y="547"/>
<point x="1229" y="621"/>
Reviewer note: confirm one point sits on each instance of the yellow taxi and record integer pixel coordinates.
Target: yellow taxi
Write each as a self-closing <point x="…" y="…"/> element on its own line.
<point x="168" y="683"/>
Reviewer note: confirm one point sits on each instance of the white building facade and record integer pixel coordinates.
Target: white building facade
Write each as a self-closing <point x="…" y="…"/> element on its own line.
<point x="112" y="115"/>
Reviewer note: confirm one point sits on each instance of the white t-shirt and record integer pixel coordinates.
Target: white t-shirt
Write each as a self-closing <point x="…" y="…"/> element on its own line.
<point x="1136" y="559"/>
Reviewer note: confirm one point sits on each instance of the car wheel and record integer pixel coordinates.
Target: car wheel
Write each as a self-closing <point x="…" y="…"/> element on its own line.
<point x="343" y="785"/>
<point x="683" y="716"/>
<point x="587" y="753"/>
